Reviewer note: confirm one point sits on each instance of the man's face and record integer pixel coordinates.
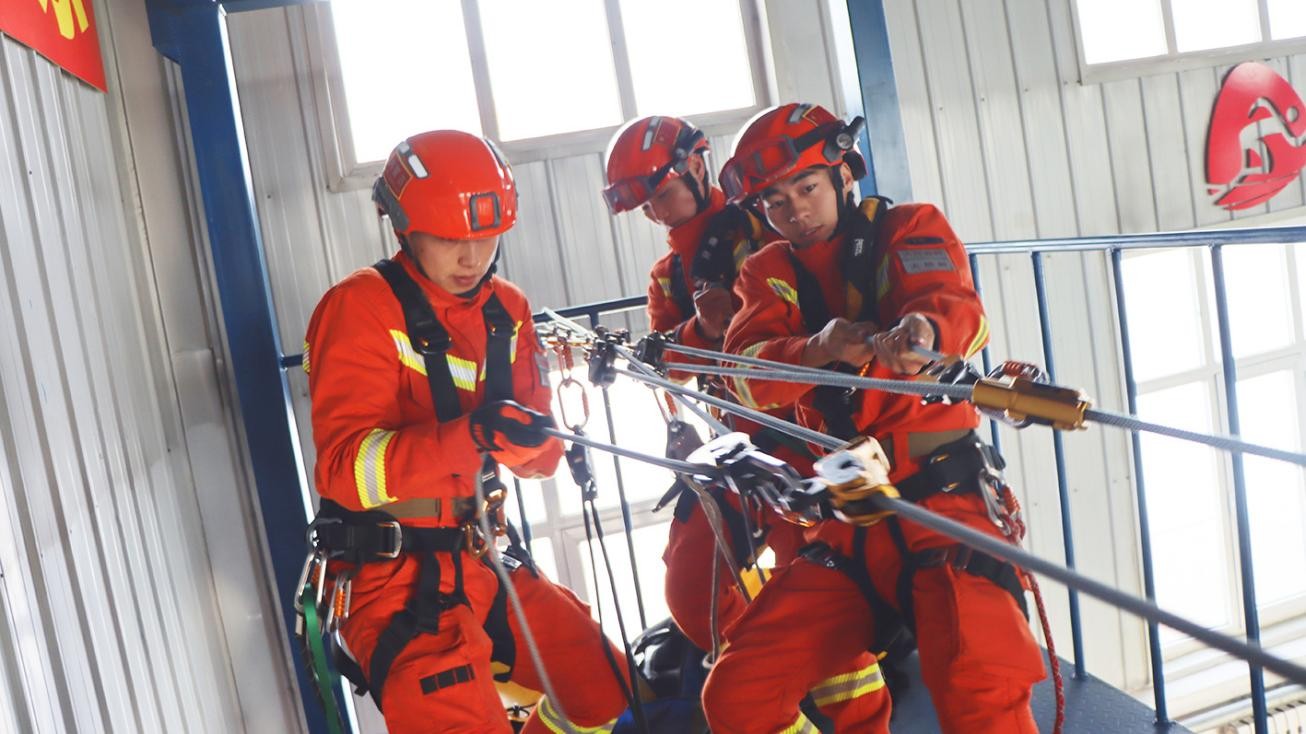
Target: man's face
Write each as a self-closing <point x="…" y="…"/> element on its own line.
<point x="455" y="265"/>
<point x="804" y="208"/>
<point x="673" y="203"/>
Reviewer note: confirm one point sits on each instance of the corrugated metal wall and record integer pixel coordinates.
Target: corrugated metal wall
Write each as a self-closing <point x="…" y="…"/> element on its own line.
<point x="132" y="591"/>
<point x="1002" y="135"/>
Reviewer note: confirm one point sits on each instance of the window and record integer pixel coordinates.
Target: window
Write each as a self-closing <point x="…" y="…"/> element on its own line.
<point x="1189" y="487"/>
<point x="1120" y="38"/>
<point x="541" y="79"/>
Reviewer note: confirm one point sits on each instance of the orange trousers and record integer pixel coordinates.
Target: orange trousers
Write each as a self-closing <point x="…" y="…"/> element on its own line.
<point x="852" y="695"/>
<point x="978" y="657"/>
<point x="443" y="682"/>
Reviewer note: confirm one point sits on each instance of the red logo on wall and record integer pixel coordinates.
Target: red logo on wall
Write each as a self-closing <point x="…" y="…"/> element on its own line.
<point x="63" y="31"/>
<point x="1257" y="142"/>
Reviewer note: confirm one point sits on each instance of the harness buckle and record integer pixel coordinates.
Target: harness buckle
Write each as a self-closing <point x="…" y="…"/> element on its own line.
<point x="398" y="546"/>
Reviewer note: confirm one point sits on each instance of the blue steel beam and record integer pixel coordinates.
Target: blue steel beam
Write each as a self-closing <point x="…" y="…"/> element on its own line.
<point x="1059" y="456"/>
<point x="1251" y="612"/>
<point x="1144" y="523"/>
<point x="194" y="34"/>
<point x="883" y="141"/>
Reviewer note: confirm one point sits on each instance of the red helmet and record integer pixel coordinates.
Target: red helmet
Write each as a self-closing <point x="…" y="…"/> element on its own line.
<point x="447" y="183"/>
<point x="786" y="139"/>
<point x="646" y="153"/>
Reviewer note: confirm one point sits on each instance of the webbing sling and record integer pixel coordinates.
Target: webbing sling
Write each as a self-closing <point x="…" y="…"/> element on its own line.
<point x="679" y="290"/>
<point x="429" y="338"/>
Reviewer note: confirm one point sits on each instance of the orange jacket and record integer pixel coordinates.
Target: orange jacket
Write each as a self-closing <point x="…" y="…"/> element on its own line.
<point x="664" y="313"/>
<point x="374" y="423"/>
<point x="923" y="268"/>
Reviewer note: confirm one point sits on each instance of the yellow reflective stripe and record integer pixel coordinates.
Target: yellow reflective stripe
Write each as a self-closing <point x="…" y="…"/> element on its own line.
<point x="512" y="345"/>
<point x="666" y="286"/>
<point x="981" y="337"/>
<point x="801" y="725"/>
<point x="783" y="289"/>
<point x="550" y="718"/>
<point x="408" y="356"/>
<point x="464" y="372"/>
<point x="741" y="383"/>
<point x="848" y="685"/>
<point x="369" y="468"/>
<point x="882" y="284"/>
<point x="305" y="362"/>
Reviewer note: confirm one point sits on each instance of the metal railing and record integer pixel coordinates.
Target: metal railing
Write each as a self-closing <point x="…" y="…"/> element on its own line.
<point x="1115" y="246"/>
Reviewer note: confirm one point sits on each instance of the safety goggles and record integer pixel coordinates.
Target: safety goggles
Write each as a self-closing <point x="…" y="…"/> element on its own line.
<point x="629" y="194"/>
<point x="776" y="157"/>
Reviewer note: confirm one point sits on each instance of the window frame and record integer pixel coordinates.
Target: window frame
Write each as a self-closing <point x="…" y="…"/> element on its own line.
<point x="345" y="173"/>
<point x="1174" y="60"/>
<point x="1209" y="374"/>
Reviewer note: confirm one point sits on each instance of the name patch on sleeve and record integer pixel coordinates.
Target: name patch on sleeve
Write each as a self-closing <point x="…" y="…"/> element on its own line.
<point x="925" y="260"/>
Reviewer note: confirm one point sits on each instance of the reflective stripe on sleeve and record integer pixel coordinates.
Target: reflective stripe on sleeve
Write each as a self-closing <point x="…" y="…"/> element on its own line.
<point x="981" y="336"/>
<point x="369" y="468"/>
<point x="783" y="289"/>
<point x="408" y="356"/>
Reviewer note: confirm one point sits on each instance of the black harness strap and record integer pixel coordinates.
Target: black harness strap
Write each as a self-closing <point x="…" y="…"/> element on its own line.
<point x="680" y="294"/>
<point x="372" y="536"/>
<point x="889" y="627"/>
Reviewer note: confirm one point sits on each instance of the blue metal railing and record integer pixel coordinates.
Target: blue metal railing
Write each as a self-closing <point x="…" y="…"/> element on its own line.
<point x="1115" y="247"/>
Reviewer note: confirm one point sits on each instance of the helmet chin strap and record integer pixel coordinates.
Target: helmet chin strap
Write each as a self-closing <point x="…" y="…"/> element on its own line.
<point x="698" y="189"/>
<point x="846" y="203"/>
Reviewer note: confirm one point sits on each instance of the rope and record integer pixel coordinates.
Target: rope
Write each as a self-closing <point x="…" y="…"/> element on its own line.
<point x="757" y="416"/>
<point x="1227" y="443"/>
<point x="528" y="637"/>
<point x="1146" y="609"/>
<point x="680" y="467"/>
<point x="833" y="379"/>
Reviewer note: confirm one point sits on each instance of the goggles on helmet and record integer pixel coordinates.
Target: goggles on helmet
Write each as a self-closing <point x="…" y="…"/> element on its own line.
<point x="631" y="193"/>
<point x="772" y="159"/>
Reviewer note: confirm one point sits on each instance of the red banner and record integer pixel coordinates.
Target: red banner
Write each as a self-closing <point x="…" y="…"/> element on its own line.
<point x="63" y="31"/>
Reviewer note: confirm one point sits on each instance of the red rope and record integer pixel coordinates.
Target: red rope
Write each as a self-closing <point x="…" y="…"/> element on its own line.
<point x="1017" y="534"/>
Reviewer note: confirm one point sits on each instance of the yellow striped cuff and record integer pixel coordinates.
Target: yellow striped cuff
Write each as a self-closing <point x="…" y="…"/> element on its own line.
<point x="551" y="719"/>
<point x="801" y="725"/>
<point x="848" y="686"/>
<point x="369" y="468"/>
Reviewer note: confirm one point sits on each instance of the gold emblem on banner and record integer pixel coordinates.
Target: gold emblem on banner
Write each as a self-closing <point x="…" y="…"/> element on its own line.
<point x="65" y="12"/>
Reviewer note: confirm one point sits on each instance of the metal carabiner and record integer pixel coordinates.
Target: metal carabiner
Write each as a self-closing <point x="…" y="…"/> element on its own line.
<point x="567" y="382"/>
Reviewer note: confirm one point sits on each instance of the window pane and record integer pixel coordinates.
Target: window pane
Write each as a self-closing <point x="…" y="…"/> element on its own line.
<point x="1189" y="549"/>
<point x="1269" y="409"/>
<point x="1260" y="312"/>
<point x="405" y="69"/>
<point x="531" y="492"/>
<point x="1165" y="329"/>
<point x="649" y="542"/>
<point x="1115" y="30"/>
<point x="550" y="66"/>
<point x="1202" y="24"/>
<point x="669" y="78"/>
<point x="1287" y="18"/>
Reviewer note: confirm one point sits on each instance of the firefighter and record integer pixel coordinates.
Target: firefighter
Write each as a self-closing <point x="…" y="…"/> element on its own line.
<point x="425" y="375"/>
<point x="657" y="164"/>
<point x="854" y="288"/>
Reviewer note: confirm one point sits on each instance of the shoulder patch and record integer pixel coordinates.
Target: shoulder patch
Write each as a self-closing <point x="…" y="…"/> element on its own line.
<point x="930" y="260"/>
<point x="542" y="364"/>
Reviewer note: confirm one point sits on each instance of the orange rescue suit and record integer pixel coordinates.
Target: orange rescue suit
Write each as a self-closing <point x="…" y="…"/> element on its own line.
<point x="691" y="545"/>
<point x="978" y="657"/>
<point x="379" y="447"/>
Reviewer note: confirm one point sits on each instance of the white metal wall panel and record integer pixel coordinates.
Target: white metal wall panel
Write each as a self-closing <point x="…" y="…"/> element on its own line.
<point x="111" y="607"/>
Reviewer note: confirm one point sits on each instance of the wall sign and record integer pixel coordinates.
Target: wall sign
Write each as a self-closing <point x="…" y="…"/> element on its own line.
<point x="63" y="31"/>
